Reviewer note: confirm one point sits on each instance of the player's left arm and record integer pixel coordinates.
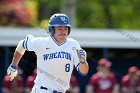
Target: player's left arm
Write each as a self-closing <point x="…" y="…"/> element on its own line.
<point x="116" y="86"/>
<point x="83" y="65"/>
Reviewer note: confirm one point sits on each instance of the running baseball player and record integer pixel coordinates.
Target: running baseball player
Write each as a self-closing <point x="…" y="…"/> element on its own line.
<point x="56" y="57"/>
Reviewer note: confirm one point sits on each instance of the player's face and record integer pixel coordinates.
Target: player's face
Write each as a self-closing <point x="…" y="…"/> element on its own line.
<point x="61" y="32"/>
<point x="133" y="76"/>
<point x="103" y="68"/>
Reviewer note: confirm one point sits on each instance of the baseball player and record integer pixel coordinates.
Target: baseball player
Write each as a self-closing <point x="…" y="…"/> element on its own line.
<point x="130" y="83"/>
<point x="103" y="81"/>
<point x="56" y="56"/>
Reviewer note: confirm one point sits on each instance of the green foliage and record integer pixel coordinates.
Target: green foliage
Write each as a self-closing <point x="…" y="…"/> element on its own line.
<point x="89" y="14"/>
<point x="48" y="7"/>
<point x="123" y="13"/>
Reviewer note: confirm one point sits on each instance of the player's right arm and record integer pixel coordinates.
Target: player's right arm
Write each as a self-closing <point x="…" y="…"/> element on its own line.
<point x="12" y="69"/>
<point x="29" y="44"/>
<point x="80" y="57"/>
<point x="19" y="52"/>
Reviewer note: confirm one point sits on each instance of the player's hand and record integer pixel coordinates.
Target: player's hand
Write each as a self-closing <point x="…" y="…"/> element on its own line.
<point x="12" y="72"/>
<point x="82" y="55"/>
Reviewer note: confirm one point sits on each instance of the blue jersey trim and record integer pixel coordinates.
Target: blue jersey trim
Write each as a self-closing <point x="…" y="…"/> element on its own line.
<point x="56" y="41"/>
<point x="23" y="44"/>
<point x="77" y="65"/>
<point x="26" y="43"/>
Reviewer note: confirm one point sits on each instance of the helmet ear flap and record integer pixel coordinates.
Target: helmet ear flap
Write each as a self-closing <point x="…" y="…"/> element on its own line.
<point x="51" y="30"/>
<point x="69" y="29"/>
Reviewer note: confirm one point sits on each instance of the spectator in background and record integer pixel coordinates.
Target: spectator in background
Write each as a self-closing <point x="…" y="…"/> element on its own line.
<point x="13" y="13"/>
<point x="30" y="82"/>
<point x="74" y="87"/>
<point x="15" y="86"/>
<point x="130" y="83"/>
<point x="103" y="81"/>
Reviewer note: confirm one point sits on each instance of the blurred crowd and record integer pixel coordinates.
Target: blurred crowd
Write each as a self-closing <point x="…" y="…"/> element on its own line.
<point x="103" y="81"/>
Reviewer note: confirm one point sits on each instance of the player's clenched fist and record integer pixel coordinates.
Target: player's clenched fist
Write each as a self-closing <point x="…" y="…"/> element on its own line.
<point x="82" y="55"/>
<point x="12" y="72"/>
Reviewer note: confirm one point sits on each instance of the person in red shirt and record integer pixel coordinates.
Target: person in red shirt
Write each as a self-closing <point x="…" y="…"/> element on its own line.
<point x="130" y="83"/>
<point x="74" y="87"/>
<point x="30" y="81"/>
<point x="15" y="86"/>
<point x="103" y="81"/>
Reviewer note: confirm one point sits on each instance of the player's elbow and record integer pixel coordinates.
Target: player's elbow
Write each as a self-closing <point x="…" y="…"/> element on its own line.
<point x="84" y="72"/>
<point x="83" y="69"/>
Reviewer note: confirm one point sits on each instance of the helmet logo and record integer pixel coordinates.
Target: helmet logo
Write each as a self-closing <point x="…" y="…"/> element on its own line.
<point x="64" y="19"/>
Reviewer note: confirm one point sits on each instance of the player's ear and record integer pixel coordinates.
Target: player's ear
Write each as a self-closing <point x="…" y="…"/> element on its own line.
<point x="53" y="30"/>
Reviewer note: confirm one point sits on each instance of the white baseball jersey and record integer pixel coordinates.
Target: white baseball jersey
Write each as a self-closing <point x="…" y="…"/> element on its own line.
<point x="54" y="62"/>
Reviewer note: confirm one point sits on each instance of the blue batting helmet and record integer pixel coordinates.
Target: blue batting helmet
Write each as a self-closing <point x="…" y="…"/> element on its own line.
<point x="58" y="20"/>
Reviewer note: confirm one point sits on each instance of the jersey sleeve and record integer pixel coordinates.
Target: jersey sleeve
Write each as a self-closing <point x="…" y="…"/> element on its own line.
<point x="75" y="55"/>
<point x="30" y="43"/>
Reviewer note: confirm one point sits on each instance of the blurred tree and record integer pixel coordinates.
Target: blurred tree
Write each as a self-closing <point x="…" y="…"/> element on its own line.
<point x="89" y="14"/>
<point x="122" y="14"/>
<point x="32" y="6"/>
<point x="48" y="7"/>
<point x="108" y="14"/>
<point x="126" y="14"/>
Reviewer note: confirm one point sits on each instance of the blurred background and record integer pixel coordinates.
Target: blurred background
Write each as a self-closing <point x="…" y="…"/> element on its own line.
<point x="105" y="29"/>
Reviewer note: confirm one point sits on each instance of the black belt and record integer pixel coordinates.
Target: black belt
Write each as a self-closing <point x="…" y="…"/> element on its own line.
<point x="54" y="91"/>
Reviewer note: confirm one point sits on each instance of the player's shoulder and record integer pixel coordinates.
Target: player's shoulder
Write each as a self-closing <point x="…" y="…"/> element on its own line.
<point x="36" y="38"/>
<point x="95" y="76"/>
<point x="125" y="80"/>
<point x="72" y="41"/>
<point x="111" y="75"/>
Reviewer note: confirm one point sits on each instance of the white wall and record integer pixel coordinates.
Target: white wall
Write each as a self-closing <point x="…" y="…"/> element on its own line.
<point x="91" y="38"/>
